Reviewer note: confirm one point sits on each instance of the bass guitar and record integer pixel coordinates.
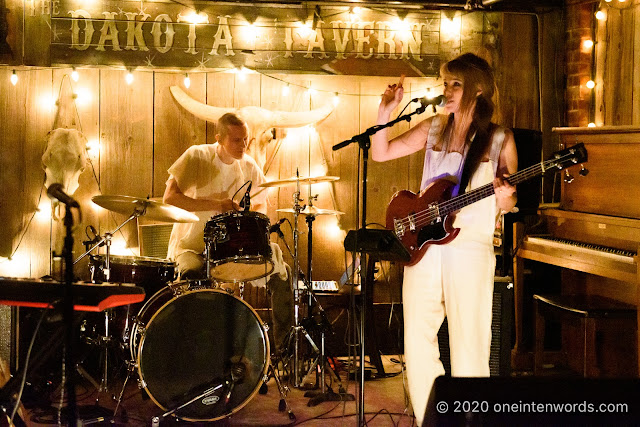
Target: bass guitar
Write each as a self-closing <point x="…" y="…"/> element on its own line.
<point x="426" y="219"/>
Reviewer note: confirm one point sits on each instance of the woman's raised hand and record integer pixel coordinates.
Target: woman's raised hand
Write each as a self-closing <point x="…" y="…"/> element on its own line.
<point x="392" y="97"/>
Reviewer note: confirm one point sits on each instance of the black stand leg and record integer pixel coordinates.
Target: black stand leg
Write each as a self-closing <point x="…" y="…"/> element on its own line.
<point x="69" y="361"/>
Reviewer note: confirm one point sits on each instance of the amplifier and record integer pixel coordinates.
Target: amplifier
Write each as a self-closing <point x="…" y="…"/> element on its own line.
<point x="501" y="331"/>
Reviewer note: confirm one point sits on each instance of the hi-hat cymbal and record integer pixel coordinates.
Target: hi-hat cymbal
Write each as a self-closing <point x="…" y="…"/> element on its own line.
<point x="305" y="180"/>
<point x="312" y="210"/>
<point x="153" y="209"/>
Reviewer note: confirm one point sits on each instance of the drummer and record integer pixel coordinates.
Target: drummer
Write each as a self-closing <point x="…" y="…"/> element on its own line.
<point x="204" y="180"/>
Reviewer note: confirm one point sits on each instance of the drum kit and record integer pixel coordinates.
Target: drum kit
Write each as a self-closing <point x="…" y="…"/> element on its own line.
<point x="200" y="352"/>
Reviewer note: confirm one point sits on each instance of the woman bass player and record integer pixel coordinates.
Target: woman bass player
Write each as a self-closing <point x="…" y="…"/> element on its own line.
<point x="204" y="180"/>
<point x="455" y="279"/>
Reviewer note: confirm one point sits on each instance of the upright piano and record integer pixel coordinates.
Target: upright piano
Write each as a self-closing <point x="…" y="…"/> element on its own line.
<point x="594" y="232"/>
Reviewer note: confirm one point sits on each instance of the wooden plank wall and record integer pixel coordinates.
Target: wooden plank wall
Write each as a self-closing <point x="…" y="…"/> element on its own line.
<point x="617" y="100"/>
<point x="142" y="131"/>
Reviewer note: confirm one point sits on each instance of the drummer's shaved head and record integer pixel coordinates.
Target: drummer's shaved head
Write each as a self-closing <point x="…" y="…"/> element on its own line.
<point x="228" y="119"/>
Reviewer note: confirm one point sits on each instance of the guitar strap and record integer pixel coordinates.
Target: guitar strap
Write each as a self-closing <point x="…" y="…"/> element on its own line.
<point x="473" y="157"/>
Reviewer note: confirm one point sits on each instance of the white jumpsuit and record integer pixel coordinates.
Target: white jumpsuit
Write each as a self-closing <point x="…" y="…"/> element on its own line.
<point x="453" y="280"/>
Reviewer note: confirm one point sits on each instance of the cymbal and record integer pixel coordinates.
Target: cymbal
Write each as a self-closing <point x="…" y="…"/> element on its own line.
<point x="312" y="210"/>
<point x="305" y="180"/>
<point x="153" y="209"/>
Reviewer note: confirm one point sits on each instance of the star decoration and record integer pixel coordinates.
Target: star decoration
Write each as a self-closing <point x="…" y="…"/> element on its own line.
<point x="120" y="11"/>
<point x="55" y="33"/>
<point x="149" y="60"/>
<point x="270" y="59"/>
<point x="141" y="10"/>
<point x="268" y="42"/>
<point x="202" y="63"/>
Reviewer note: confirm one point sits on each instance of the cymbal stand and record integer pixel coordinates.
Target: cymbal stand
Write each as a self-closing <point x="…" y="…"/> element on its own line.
<point x="138" y="211"/>
<point x="297" y="328"/>
<point x="104" y="340"/>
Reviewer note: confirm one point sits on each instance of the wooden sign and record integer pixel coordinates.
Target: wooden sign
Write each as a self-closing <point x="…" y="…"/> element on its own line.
<point x="156" y="34"/>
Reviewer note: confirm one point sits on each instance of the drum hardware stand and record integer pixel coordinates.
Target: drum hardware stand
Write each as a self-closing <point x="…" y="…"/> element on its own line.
<point x="131" y="367"/>
<point x="297" y="328"/>
<point x="321" y="360"/>
<point x="105" y="340"/>
<point x="326" y="394"/>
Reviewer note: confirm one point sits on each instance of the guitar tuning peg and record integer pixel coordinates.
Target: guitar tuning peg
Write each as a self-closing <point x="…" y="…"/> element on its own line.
<point x="568" y="178"/>
<point x="583" y="171"/>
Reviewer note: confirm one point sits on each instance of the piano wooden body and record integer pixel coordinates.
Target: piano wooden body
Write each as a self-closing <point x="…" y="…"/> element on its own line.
<point x="594" y="234"/>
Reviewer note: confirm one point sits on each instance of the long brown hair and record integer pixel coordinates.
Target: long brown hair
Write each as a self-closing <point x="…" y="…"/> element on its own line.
<point x="477" y="109"/>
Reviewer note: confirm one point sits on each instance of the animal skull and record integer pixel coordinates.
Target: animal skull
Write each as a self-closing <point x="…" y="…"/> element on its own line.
<point x="64" y="158"/>
<point x="259" y="120"/>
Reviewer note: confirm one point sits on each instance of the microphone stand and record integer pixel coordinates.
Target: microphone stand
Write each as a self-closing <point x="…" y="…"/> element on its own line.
<point x="69" y="362"/>
<point x="364" y="142"/>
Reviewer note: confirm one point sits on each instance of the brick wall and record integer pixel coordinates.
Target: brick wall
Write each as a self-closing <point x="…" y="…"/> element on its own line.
<point x="579" y="24"/>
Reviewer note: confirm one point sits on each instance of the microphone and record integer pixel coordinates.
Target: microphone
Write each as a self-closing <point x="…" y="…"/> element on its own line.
<point x="55" y="191"/>
<point x="438" y="101"/>
<point x="275" y="228"/>
<point x="246" y="200"/>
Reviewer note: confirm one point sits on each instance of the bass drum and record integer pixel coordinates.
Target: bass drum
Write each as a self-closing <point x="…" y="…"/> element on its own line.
<point x="197" y="340"/>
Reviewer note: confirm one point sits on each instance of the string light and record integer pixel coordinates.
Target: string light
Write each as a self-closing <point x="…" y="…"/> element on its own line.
<point x="74" y="75"/>
<point x="251" y="32"/>
<point x="336" y="99"/>
<point x="187" y="81"/>
<point x="14" y="78"/>
<point x="242" y="73"/>
<point x="93" y="147"/>
<point x="304" y="29"/>
<point x="587" y="44"/>
<point x="83" y="96"/>
<point x="312" y="91"/>
<point x="43" y="211"/>
<point x="129" y="78"/>
<point x="601" y="16"/>
<point x="285" y="90"/>
<point x="591" y="125"/>
<point x="591" y="84"/>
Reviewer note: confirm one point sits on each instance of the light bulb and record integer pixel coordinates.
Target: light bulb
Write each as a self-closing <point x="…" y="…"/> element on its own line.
<point x="588" y="44"/>
<point x="600" y="15"/>
<point x="591" y="84"/>
<point x="74" y="75"/>
<point x="591" y="125"/>
<point x="285" y="90"/>
<point x="129" y="78"/>
<point x="187" y="81"/>
<point x="336" y="99"/>
<point x="14" y="78"/>
<point x="312" y="91"/>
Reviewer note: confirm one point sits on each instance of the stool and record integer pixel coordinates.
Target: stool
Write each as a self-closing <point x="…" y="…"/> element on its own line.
<point x="591" y="313"/>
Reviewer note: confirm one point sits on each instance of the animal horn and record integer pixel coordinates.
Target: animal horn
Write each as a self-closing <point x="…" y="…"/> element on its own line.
<point x="284" y="119"/>
<point x="198" y="109"/>
<point x="278" y="119"/>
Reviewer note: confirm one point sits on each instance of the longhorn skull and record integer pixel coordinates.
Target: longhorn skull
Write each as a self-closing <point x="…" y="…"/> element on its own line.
<point x="64" y="158"/>
<point x="259" y="120"/>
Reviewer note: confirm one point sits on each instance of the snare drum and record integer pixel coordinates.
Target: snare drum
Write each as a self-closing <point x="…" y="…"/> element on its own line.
<point x="150" y="273"/>
<point x="238" y="246"/>
<point x="190" y="340"/>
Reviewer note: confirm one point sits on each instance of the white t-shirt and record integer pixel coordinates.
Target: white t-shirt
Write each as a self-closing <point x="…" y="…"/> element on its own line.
<point x="200" y="174"/>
